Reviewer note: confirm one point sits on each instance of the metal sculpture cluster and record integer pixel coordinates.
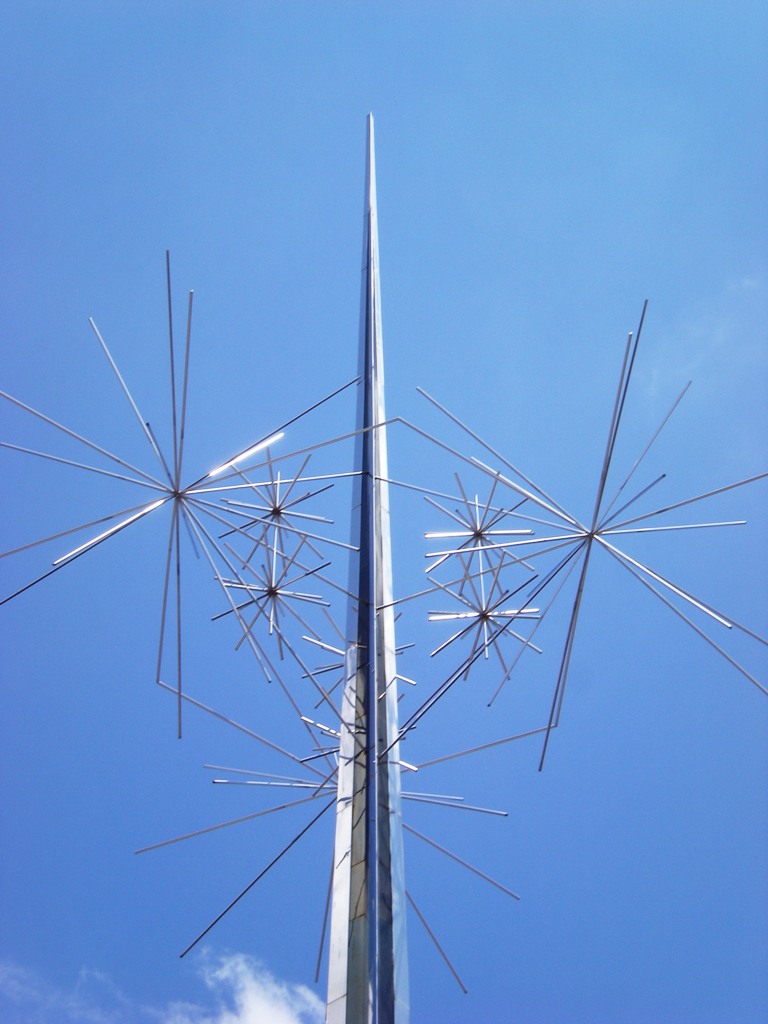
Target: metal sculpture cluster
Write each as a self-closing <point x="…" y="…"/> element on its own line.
<point x="503" y="554"/>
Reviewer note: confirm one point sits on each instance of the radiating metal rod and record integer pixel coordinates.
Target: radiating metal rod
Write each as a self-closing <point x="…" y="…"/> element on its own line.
<point x="242" y="728"/>
<point x="482" y="747"/>
<point x="690" y="501"/>
<point x="414" y="718"/>
<point x="258" y="878"/>
<point x="69" y="532"/>
<point x="562" y="675"/>
<point x="645" y="451"/>
<point x="438" y="947"/>
<point x="619" y="556"/>
<point x="184" y="392"/>
<point x="288" y="423"/>
<point x="172" y="356"/>
<point x="81" y="439"/>
<point x="460" y="860"/>
<point x="83" y="465"/>
<point x="142" y="422"/>
<point x="493" y="452"/>
<point x="226" y="824"/>
<point x="166" y="583"/>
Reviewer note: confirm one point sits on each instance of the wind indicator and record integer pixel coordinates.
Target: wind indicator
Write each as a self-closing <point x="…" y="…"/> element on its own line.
<point x="265" y="523"/>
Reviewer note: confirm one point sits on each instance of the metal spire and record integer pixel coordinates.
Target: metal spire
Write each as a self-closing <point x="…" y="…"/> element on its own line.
<point x="368" y="971"/>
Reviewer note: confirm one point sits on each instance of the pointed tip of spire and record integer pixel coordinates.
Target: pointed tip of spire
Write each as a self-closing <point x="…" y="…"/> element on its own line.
<point x="370" y="166"/>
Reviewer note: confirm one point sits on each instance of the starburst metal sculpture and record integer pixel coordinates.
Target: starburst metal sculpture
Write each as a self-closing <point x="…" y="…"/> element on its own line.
<point x="562" y="552"/>
<point x="261" y="523"/>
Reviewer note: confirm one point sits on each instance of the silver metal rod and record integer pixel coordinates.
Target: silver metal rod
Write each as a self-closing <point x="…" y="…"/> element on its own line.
<point x="178" y="628"/>
<point x="459" y="860"/>
<point x="562" y="676"/>
<point x="173" y="367"/>
<point x="494" y="452"/>
<point x="483" y="746"/>
<point x="438" y="947"/>
<point x="83" y="465"/>
<point x="250" y="771"/>
<point x="142" y="423"/>
<point x="694" y="627"/>
<point x="324" y="928"/>
<point x="289" y="423"/>
<point x="690" y="501"/>
<point x="81" y="439"/>
<point x="158" y="449"/>
<point x="553" y="598"/>
<point x="258" y="878"/>
<point x="242" y="728"/>
<point x="167" y="577"/>
<point x="184" y="389"/>
<point x="225" y="824"/>
<point x="666" y="529"/>
<point x="605" y="521"/>
<point x="612" y="432"/>
<point x="647" y="448"/>
<point x="70" y="531"/>
<point x="665" y="583"/>
<point x="455" y="806"/>
<point x="94" y="541"/>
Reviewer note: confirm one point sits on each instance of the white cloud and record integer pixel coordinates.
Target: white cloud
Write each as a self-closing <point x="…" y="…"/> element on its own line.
<point x="243" y="992"/>
<point x="254" y="995"/>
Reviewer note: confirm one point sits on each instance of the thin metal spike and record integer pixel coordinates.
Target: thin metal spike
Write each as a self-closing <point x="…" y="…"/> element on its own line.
<point x="458" y="807"/>
<point x="691" y="501"/>
<point x="700" y="605"/>
<point x="184" y="389"/>
<point x="258" y="878"/>
<point x="482" y="747"/>
<point x="493" y="451"/>
<point x="645" y="451"/>
<point x="459" y="860"/>
<point x="627" y="378"/>
<point x="538" y="623"/>
<point x="694" y="627"/>
<point x="82" y="440"/>
<point x="69" y="532"/>
<point x="667" y="529"/>
<point x="242" y="728"/>
<point x="178" y="629"/>
<point x="117" y="528"/>
<point x="82" y="465"/>
<point x="605" y="521"/>
<point x="172" y="355"/>
<point x="438" y="947"/>
<point x="159" y="450"/>
<point x="164" y="606"/>
<point x="324" y="928"/>
<point x="562" y="676"/>
<point x="142" y="422"/>
<point x="612" y="432"/>
<point x="289" y="423"/>
<point x="225" y="824"/>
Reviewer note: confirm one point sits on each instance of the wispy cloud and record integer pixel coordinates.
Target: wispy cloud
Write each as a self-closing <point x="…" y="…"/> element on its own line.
<point x="242" y="991"/>
<point x="253" y="996"/>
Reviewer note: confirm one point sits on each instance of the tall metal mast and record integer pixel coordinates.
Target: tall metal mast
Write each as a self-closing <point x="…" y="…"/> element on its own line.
<point x="368" y="970"/>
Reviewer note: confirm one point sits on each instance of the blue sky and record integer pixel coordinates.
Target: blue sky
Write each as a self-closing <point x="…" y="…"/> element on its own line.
<point x="542" y="169"/>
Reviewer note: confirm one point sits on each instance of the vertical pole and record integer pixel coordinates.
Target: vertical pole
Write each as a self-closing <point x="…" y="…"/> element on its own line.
<point x="368" y="971"/>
